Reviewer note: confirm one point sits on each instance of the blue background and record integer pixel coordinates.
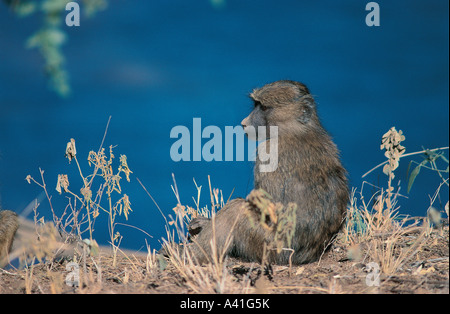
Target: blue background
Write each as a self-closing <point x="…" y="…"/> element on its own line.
<point x="153" y="65"/>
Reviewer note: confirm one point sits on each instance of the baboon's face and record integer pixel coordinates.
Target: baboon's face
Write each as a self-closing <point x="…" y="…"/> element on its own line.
<point x="285" y="104"/>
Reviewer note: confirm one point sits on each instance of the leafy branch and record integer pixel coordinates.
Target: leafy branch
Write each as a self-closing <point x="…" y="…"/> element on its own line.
<point x="430" y="157"/>
<point x="50" y="37"/>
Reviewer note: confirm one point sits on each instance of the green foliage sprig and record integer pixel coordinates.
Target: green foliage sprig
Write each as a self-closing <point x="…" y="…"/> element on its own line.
<point x="50" y="37"/>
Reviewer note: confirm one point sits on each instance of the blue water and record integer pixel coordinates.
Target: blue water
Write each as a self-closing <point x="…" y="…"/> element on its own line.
<point x="153" y="65"/>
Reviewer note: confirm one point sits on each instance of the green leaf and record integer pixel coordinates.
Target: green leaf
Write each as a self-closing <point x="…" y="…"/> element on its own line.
<point x="25" y="8"/>
<point x="409" y="168"/>
<point x="443" y="158"/>
<point x="413" y="176"/>
<point x="55" y="36"/>
<point x="91" y="7"/>
<point x="53" y="5"/>
<point x="218" y="4"/>
<point x="415" y="172"/>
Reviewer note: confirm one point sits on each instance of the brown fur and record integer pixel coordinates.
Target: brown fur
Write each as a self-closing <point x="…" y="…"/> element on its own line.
<point x="309" y="173"/>
<point x="9" y="223"/>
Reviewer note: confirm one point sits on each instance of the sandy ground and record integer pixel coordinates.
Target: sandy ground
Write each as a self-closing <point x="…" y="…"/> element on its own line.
<point x="427" y="271"/>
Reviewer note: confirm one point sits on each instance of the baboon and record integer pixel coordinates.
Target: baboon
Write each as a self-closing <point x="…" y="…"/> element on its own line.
<point x="22" y="238"/>
<point x="309" y="174"/>
<point x="9" y="223"/>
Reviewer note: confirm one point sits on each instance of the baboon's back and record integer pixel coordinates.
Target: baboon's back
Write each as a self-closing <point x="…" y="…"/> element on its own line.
<point x="8" y="226"/>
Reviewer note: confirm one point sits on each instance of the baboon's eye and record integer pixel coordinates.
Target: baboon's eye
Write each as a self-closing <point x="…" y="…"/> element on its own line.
<point x="260" y="105"/>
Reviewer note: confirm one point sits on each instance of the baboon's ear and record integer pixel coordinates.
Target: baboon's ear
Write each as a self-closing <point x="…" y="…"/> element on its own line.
<point x="307" y="107"/>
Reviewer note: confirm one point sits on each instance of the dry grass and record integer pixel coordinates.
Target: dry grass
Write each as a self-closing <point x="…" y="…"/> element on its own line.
<point x="376" y="223"/>
<point x="411" y="253"/>
<point x="214" y="277"/>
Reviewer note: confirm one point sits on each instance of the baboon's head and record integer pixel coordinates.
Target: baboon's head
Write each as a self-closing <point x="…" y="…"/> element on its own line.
<point x="285" y="104"/>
